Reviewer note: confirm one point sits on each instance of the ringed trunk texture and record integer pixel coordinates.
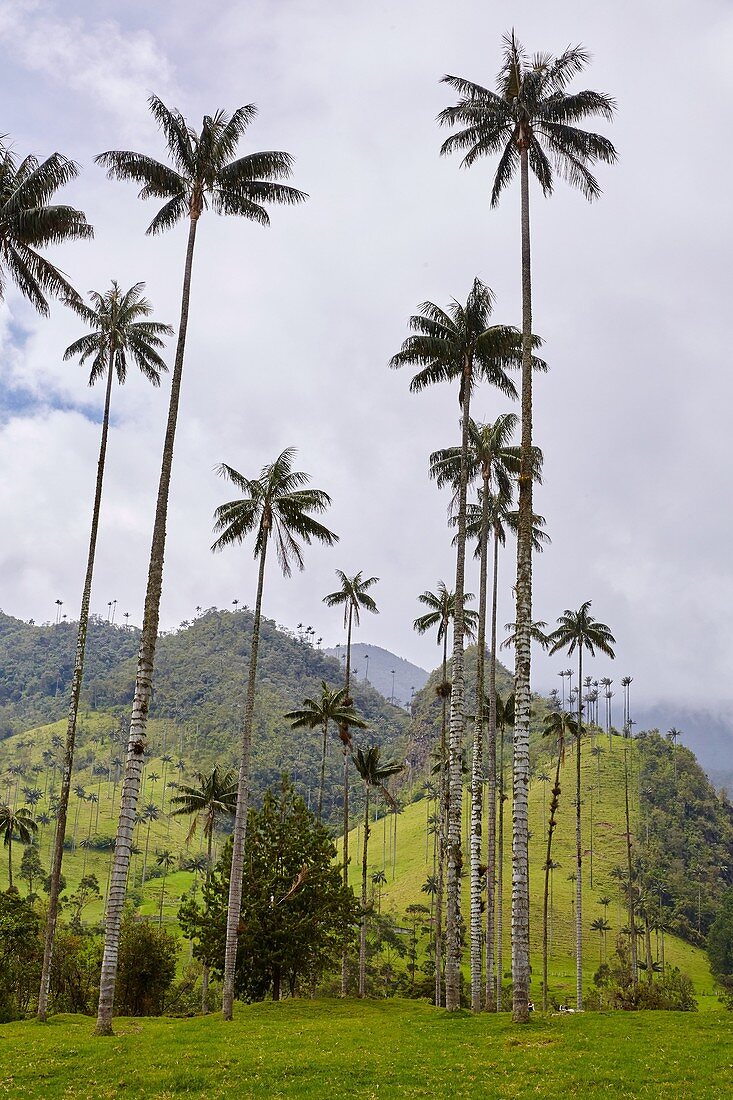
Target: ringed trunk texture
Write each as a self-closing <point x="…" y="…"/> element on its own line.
<point x="579" y="852"/>
<point x="345" y="737"/>
<point x="491" y="783"/>
<point x="455" y="783"/>
<point x="143" y="681"/>
<point x="477" y="771"/>
<point x="76" y="680"/>
<point x="442" y="829"/>
<point x="500" y="888"/>
<point x="364" y="868"/>
<point x="522" y="666"/>
<point x="234" y="909"/>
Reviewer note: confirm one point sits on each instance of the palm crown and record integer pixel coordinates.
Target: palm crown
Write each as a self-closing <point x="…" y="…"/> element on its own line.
<point x="445" y="342"/>
<point x="442" y="605"/>
<point x="203" y="174"/>
<point x="578" y="629"/>
<point x="331" y="707"/>
<point x="213" y="796"/>
<point x="119" y="328"/>
<point x="354" y="595"/>
<point x="28" y="222"/>
<point x="275" y="504"/>
<point x="531" y="109"/>
<point x="490" y="456"/>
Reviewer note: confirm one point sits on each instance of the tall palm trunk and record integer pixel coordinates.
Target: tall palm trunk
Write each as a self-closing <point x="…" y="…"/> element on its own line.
<point x="345" y="741"/>
<point x="630" y="871"/>
<point x="10" y="860"/>
<point x="364" y="868"/>
<point x="477" y="769"/>
<point x="442" y="828"/>
<point x="81" y="643"/>
<point x="205" y="965"/>
<point x="144" y="678"/>
<point x="500" y="884"/>
<point x="579" y="851"/>
<point x="240" y="821"/>
<point x="323" y="770"/>
<point x="453" y="932"/>
<point x="554" y="801"/>
<point x="522" y="667"/>
<point x="491" y="783"/>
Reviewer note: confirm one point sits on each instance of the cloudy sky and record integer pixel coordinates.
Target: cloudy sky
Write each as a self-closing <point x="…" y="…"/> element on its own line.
<point x="292" y="327"/>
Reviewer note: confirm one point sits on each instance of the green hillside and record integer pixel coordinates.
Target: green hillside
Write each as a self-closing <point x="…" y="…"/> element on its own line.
<point x="408" y="865"/>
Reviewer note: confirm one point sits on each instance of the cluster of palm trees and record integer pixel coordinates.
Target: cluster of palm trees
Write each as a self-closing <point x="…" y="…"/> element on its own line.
<point x="531" y="122"/>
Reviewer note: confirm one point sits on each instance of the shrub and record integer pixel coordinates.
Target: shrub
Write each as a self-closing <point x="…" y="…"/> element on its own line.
<point x="146" y="968"/>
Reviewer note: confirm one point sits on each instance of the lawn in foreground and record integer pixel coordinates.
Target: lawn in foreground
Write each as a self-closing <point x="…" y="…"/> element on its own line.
<point x="372" y="1049"/>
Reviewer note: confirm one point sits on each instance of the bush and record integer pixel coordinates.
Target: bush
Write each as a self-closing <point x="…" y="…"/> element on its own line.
<point x="146" y="968"/>
<point x="673" y="991"/>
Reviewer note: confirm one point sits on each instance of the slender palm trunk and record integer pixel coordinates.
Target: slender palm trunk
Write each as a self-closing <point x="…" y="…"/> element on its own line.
<point x="205" y="965"/>
<point x="522" y="666"/>
<point x="345" y="738"/>
<point x="442" y="828"/>
<point x="554" y="802"/>
<point x="323" y="770"/>
<point x="144" y="678"/>
<point x="81" y="642"/>
<point x="500" y="885"/>
<point x="491" y="783"/>
<point x="477" y="769"/>
<point x="579" y="850"/>
<point x="162" y="895"/>
<point x="453" y="932"/>
<point x="240" y="821"/>
<point x="9" y="838"/>
<point x="630" y="871"/>
<point x="364" y="868"/>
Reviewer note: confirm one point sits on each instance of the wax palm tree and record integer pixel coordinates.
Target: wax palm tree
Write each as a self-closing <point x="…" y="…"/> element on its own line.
<point x="459" y="345"/>
<point x="331" y="707"/>
<point x="530" y="115"/>
<point x="442" y="606"/>
<point x="211" y="798"/>
<point x="560" y="726"/>
<point x="353" y="596"/>
<point x="29" y="223"/>
<point x="165" y="860"/>
<point x="15" y="825"/>
<point x="602" y="927"/>
<point x="579" y="630"/>
<point x="120" y="334"/>
<point x="492" y="458"/>
<point x="276" y="505"/>
<point x="504" y="720"/>
<point x="373" y="774"/>
<point x="203" y="176"/>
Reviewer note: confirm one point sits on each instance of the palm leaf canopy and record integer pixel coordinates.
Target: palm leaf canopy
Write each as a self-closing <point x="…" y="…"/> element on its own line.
<point x="28" y="222"/>
<point x="204" y="173"/>
<point x="490" y="457"/>
<point x="445" y="342"/>
<point x="373" y="772"/>
<point x="442" y="609"/>
<point x="17" y="825"/>
<point x="353" y="595"/>
<point x="331" y="707"/>
<point x="277" y="504"/>
<point x="214" y="795"/>
<point x="119" y="328"/>
<point x="579" y="629"/>
<point x="531" y="110"/>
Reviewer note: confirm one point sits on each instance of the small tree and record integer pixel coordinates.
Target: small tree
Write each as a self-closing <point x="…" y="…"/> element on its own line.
<point x="145" y="969"/>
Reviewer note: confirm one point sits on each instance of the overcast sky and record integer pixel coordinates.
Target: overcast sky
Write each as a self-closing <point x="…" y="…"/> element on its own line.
<point x="291" y="328"/>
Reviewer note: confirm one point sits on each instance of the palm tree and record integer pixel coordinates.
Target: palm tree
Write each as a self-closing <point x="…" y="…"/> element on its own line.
<point x="214" y="796"/>
<point x="458" y="344"/>
<point x="672" y="737"/>
<point x="15" y="825"/>
<point x="166" y="860"/>
<point x="601" y="926"/>
<point x="331" y="707"/>
<point x="561" y="726"/>
<point x="354" y="596"/>
<point x="379" y="879"/>
<point x="504" y="718"/>
<point x="28" y="222"/>
<point x="276" y="505"/>
<point x="119" y="332"/>
<point x="529" y="113"/>
<point x="373" y="774"/>
<point x="579" y="630"/>
<point x="150" y="814"/>
<point x="442" y="606"/>
<point x="491" y="458"/>
<point x="203" y="176"/>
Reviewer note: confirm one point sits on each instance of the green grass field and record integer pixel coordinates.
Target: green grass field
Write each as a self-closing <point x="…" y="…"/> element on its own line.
<point x="372" y="1049"/>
